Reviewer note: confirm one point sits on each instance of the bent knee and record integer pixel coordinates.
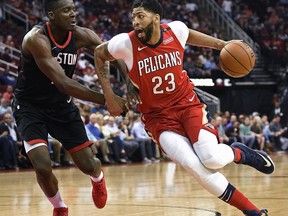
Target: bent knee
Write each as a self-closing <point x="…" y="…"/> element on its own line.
<point x="89" y="166"/>
<point x="212" y="163"/>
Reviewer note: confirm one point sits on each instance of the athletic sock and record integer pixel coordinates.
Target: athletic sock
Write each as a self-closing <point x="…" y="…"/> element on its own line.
<point x="97" y="179"/>
<point x="235" y="198"/>
<point x="57" y="201"/>
<point x="237" y="154"/>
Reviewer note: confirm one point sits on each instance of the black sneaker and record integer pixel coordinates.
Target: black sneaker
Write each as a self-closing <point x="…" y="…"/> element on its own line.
<point x="255" y="158"/>
<point x="263" y="212"/>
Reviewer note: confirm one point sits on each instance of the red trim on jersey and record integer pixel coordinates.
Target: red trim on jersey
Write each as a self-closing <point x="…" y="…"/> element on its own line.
<point x="37" y="141"/>
<point x="53" y="39"/>
<point x="80" y="147"/>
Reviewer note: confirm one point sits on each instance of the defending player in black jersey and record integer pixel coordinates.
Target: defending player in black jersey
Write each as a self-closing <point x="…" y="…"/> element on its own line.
<point x="43" y="105"/>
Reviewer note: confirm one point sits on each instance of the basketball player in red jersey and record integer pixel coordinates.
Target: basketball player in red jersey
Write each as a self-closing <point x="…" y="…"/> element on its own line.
<point x="171" y="110"/>
<point x="42" y="102"/>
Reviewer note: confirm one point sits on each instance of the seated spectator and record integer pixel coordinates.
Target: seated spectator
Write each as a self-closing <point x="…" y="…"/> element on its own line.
<point x="8" y="94"/>
<point x="98" y="138"/>
<point x="6" y="56"/>
<point x="8" y="147"/>
<point x="6" y="78"/>
<point x="257" y="131"/>
<point x="233" y="132"/>
<point x="245" y="133"/>
<point x="10" y="41"/>
<point x="223" y="138"/>
<point x="148" y="147"/>
<point x="119" y="152"/>
<point x="130" y="143"/>
<point x="4" y="107"/>
<point x="57" y="149"/>
<point x="275" y="133"/>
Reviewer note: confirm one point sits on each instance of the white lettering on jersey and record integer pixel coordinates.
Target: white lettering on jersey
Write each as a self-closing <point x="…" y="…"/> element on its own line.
<point x="159" y="62"/>
<point x="66" y="58"/>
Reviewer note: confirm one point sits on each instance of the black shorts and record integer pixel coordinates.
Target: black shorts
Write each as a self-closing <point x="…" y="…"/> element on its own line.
<point x="61" y="121"/>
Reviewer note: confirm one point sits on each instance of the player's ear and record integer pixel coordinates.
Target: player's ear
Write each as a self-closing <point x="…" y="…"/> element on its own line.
<point x="157" y="18"/>
<point x="50" y="15"/>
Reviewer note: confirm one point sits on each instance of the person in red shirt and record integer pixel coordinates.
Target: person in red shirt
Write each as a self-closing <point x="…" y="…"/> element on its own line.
<point x="172" y="112"/>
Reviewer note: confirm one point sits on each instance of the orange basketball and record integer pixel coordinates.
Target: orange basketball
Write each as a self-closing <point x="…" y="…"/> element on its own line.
<point x="237" y="59"/>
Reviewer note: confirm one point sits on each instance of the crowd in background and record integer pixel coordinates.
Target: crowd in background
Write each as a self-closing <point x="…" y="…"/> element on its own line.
<point x="123" y="140"/>
<point x="265" y="21"/>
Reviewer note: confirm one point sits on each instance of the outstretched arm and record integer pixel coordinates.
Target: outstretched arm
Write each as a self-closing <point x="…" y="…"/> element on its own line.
<point x="197" y="38"/>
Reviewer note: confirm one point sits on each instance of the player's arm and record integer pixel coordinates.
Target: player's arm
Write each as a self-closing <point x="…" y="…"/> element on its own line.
<point x="197" y="38"/>
<point x="132" y="92"/>
<point x="90" y="40"/>
<point x="38" y="45"/>
<point x="101" y="58"/>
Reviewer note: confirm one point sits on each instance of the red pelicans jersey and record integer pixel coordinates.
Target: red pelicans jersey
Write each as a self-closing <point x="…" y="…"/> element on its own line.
<point x="156" y="70"/>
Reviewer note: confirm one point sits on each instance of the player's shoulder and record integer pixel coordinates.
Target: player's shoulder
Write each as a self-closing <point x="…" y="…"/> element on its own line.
<point x="121" y="38"/>
<point x="34" y="35"/>
<point x="177" y="24"/>
<point x="80" y="31"/>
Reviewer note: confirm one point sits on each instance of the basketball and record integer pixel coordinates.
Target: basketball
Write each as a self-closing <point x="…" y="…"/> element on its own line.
<point x="237" y="59"/>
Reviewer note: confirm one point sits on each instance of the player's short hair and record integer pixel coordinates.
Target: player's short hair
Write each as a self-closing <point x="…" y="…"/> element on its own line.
<point x="50" y="5"/>
<point x="149" y="5"/>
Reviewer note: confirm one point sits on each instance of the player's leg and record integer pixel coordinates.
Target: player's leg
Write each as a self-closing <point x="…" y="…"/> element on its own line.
<point x="215" y="155"/>
<point x="72" y="134"/>
<point x="92" y="166"/>
<point x="179" y="149"/>
<point x="45" y="177"/>
<point x="32" y="127"/>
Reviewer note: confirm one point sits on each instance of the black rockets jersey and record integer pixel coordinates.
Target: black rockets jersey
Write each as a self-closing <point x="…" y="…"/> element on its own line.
<point x="33" y="85"/>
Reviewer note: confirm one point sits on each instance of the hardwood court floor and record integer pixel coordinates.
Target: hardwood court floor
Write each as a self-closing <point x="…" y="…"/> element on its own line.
<point x="162" y="189"/>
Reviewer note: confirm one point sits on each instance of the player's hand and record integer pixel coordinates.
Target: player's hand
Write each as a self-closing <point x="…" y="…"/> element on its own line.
<point x="116" y="105"/>
<point x="132" y="93"/>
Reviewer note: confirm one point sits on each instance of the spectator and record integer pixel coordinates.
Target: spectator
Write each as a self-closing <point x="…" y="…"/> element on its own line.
<point x="10" y="41"/>
<point x="8" y="147"/>
<point x="148" y="147"/>
<point x="98" y="138"/>
<point x="227" y="6"/>
<point x="233" y="132"/>
<point x="232" y="120"/>
<point x="131" y="145"/>
<point x="275" y="132"/>
<point x="257" y="130"/>
<point x="114" y="132"/>
<point x="8" y="94"/>
<point x="4" y="107"/>
<point x="57" y="149"/>
<point x="245" y="133"/>
<point x="221" y="131"/>
<point x="6" y="56"/>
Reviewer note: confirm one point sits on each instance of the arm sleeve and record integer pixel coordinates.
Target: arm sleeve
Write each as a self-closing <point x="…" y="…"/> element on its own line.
<point x="120" y="47"/>
<point x="180" y="30"/>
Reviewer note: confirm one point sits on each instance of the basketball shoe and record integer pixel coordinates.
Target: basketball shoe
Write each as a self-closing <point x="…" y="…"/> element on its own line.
<point x="60" y="212"/>
<point x="263" y="212"/>
<point x="99" y="193"/>
<point x="257" y="159"/>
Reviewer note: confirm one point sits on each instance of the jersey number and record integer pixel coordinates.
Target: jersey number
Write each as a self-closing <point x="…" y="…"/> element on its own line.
<point x="170" y="86"/>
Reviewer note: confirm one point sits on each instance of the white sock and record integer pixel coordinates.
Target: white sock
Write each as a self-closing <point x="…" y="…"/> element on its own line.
<point x="57" y="201"/>
<point x="97" y="179"/>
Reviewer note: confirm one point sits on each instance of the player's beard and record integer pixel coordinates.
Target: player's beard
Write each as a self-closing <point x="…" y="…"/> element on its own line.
<point x="148" y="33"/>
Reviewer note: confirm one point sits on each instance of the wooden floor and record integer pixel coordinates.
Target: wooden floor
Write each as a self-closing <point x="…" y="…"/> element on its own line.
<point x="162" y="189"/>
